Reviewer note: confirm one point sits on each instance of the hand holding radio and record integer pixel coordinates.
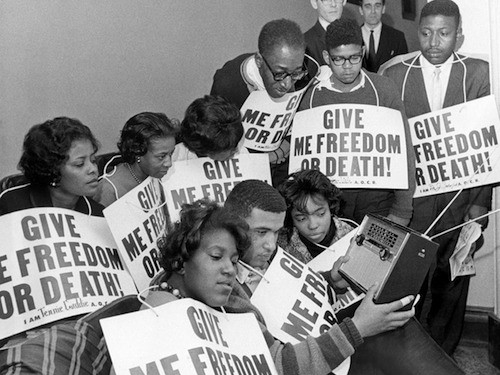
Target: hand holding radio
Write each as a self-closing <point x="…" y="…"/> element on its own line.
<point x="337" y="280"/>
<point x="371" y="319"/>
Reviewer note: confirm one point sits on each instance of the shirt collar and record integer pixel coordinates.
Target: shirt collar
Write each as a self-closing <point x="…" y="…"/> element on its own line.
<point x="251" y="75"/>
<point x="376" y="30"/>
<point x="328" y="84"/>
<point x="324" y="23"/>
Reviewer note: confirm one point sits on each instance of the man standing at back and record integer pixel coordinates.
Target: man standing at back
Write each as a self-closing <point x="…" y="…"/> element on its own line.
<point x="278" y="69"/>
<point x="382" y="41"/>
<point x="328" y="11"/>
<point x="438" y="78"/>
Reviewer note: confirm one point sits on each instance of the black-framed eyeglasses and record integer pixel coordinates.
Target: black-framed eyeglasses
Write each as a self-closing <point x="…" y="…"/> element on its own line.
<point x="340" y="60"/>
<point x="280" y="76"/>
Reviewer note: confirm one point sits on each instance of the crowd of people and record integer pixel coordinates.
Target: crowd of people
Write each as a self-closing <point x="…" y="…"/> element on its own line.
<point x="217" y="254"/>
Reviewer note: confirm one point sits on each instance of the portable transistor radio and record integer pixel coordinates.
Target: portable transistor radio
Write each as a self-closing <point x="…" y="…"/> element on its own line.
<point x="396" y="257"/>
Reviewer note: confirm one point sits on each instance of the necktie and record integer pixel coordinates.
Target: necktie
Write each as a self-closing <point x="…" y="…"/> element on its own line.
<point x="371" y="52"/>
<point x="436" y="91"/>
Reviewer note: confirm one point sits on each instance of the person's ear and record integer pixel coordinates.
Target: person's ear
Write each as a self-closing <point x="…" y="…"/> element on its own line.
<point x="363" y="50"/>
<point x="326" y="57"/>
<point x="360" y="8"/>
<point x="460" y="39"/>
<point x="314" y="4"/>
<point x="258" y="60"/>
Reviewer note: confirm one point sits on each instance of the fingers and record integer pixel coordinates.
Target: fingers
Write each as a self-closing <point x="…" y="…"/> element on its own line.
<point x="371" y="292"/>
<point x="339" y="262"/>
<point x="406" y="300"/>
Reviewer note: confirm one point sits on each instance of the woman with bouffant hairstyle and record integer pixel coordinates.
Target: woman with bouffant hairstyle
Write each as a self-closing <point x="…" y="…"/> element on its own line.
<point x="59" y="165"/>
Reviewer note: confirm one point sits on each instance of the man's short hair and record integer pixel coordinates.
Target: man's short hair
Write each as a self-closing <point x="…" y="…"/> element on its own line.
<point x="211" y="125"/>
<point x="446" y="8"/>
<point x="250" y="194"/>
<point x="342" y="32"/>
<point x="280" y="33"/>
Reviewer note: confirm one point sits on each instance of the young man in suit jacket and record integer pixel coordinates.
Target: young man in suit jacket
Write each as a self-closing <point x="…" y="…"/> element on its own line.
<point x="462" y="79"/>
<point x="387" y="41"/>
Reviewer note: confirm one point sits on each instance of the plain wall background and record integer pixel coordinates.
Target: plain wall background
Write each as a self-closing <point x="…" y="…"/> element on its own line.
<point x="104" y="61"/>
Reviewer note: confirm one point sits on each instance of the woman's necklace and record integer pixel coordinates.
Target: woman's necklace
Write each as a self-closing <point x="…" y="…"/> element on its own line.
<point x="133" y="174"/>
<point x="169" y="288"/>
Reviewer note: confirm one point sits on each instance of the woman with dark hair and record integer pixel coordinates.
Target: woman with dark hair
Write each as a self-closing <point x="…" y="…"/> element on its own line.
<point x="59" y="164"/>
<point x="211" y="127"/>
<point x="311" y="222"/>
<point x="146" y="145"/>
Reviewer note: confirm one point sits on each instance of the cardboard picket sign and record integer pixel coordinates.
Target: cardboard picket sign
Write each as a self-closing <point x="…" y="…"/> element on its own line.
<point x="187" y="337"/>
<point x="354" y="145"/>
<point x="137" y="220"/>
<point x="56" y="263"/>
<point x="295" y="301"/>
<point x="189" y="180"/>
<point x="266" y="120"/>
<point x="456" y="147"/>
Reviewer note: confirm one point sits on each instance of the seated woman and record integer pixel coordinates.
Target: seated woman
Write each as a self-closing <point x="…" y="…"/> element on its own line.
<point x="199" y="259"/>
<point x="146" y="145"/>
<point x="311" y="222"/>
<point x="59" y="163"/>
<point x="211" y="127"/>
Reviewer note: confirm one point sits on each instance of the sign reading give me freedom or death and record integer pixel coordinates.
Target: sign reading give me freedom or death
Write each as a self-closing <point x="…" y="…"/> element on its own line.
<point x="356" y="146"/>
<point x="56" y="263"/>
<point x="456" y="147"/>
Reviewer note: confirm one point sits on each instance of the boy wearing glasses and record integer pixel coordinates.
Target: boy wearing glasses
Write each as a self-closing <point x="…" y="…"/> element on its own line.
<point x="350" y="84"/>
<point x="278" y="70"/>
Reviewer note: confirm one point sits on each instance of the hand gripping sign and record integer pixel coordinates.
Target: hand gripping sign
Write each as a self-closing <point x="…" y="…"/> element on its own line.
<point x="456" y="147"/>
<point x="137" y="220"/>
<point x="56" y="263"/>
<point x="295" y="301"/>
<point x="187" y="337"/>
<point x="356" y="146"/>
<point x="189" y="180"/>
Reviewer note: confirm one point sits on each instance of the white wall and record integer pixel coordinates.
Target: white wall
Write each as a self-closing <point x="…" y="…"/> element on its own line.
<point x="104" y="61"/>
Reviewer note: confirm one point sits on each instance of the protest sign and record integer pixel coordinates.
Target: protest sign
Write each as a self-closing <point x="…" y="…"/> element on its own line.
<point x="356" y="146"/>
<point x="295" y="301"/>
<point x="189" y="180"/>
<point x="187" y="337"/>
<point x="266" y="120"/>
<point x="56" y="263"/>
<point x="456" y="147"/>
<point x="137" y="220"/>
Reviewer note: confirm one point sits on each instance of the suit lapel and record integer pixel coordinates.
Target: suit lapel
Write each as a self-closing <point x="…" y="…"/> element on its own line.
<point x="415" y="85"/>
<point x="454" y="90"/>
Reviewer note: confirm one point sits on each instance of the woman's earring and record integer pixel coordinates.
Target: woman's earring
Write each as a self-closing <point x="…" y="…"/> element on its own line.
<point x="138" y="160"/>
<point x="53" y="184"/>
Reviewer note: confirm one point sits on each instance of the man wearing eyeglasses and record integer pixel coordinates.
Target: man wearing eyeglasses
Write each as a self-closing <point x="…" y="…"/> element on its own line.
<point x="328" y="11"/>
<point x="276" y="69"/>
<point x="350" y="84"/>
